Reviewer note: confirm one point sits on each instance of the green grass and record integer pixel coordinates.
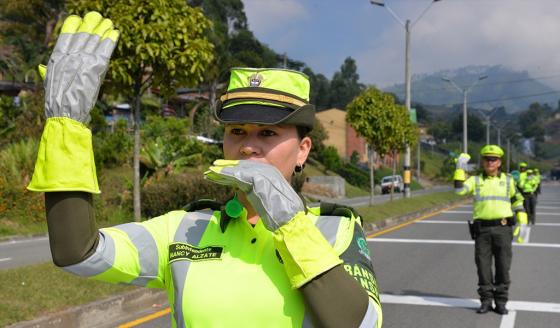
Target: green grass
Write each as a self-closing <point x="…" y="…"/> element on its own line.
<point x="403" y="206"/>
<point x="37" y="290"/>
<point x="432" y="163"/>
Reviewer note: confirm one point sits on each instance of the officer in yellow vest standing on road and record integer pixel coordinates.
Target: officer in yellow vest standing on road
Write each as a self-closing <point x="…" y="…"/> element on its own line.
<point x="263" y="259"/>
<point x="495" y="201"/>
<point x="528" y="186"/>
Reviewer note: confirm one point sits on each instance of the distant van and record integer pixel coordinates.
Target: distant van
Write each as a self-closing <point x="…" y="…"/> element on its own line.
<point x="395" y="181"/>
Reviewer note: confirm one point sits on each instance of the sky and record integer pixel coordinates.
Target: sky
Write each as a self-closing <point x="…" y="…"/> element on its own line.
<point x="520" y="34"/>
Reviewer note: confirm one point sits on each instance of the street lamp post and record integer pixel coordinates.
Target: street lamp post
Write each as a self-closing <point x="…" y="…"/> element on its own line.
<point x="464" y="92"/>
<point x="407" y="76"/>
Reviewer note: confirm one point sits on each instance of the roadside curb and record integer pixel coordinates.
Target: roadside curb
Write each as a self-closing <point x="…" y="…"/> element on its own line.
<point x="102" y="313"/>
<point x="371" y="228"/>
<point x="7" y="239"/>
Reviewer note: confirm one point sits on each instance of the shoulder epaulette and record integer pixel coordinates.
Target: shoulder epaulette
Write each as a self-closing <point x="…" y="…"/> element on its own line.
<point x="333" y="209"/>
<point x="203" y="204"/>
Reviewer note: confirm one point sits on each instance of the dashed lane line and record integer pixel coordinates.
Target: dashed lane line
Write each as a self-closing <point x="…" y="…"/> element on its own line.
<point x="453" y="242"/>
<point x="470" y="212"/>
<point x="467" y="303"/>
<point x="5" y="259"/>
<point x="464" y="222"/>
<point x="402" y="225"/>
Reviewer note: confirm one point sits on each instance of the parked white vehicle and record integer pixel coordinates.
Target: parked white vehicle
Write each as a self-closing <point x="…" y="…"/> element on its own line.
<point x="392" y="180"/>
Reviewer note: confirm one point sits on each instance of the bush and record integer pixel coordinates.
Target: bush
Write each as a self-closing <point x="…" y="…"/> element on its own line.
<point x="354" y="175"/>
<point x="18" y="206"/>
<point x="113" y="149"/>
<point x="17" y="161"/>
<point x="172" y="192"/>
<point x="330" y="158"/>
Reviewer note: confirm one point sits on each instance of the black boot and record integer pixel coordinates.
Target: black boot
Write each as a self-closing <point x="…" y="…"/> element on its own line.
<point x="501" y="309"/>
<point x="484" y="307"/>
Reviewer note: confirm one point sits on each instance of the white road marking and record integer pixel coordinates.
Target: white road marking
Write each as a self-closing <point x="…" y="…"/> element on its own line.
<point x="465" y="222"/>
<point x="549" y="207"/>
<point x="458" y="212"/>
<point x="467" y="303"/>
<point x="453" y="242"/>
<point x="508" y="320"/>
<point x="470" y="212"/>
<point x="5" y="259"/>
<point x="442" y="221"/>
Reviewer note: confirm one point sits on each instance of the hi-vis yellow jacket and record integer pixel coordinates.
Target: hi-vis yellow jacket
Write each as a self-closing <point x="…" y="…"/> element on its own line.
<point x="494" y="197"/>
<point x="223" y="275"/>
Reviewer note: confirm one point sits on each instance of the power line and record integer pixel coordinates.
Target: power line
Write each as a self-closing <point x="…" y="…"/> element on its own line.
<point x="487" y="83"/>
<point x="516" y="97"/>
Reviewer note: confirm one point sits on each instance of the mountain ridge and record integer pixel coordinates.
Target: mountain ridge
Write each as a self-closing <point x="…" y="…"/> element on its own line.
<point x="503" y="86"/>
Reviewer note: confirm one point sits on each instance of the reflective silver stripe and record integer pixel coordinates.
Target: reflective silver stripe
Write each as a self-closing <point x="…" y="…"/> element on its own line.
<point x="507" y="186"/>
<point x="101" y="261"/>
<point x="370" y="318"/>
<point x="328" y="225"/>
<point x="476" y="187"/>
<point x="487" y="198"/>
<point x="190" y="231"/>
<point x="148" y="256"/>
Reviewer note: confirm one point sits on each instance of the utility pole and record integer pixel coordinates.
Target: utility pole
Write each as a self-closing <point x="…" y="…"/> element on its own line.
<point x="407" y="27"/>
<point x="508" y="155"/>
<point x="418" y="160"/>
<point x="465" y="91"/>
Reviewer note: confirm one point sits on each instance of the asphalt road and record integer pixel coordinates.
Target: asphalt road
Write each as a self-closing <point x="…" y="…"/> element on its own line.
<point x="427" y="276"/>
<point x="27" y="251"/>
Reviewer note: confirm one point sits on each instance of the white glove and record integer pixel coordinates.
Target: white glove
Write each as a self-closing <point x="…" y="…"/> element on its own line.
<point x="462" y="161"/>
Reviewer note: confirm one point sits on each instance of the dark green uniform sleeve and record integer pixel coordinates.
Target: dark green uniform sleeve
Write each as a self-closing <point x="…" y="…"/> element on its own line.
<point x="73" y="235"/>
<point x="339" y="297"/>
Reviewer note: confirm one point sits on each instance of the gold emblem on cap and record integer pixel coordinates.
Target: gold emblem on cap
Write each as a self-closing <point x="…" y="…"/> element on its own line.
<point x="255" y="80"/>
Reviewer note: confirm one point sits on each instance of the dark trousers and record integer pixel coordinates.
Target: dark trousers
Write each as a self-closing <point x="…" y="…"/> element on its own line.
<point x="530" y="204"/>
<point x="493" y="242"/>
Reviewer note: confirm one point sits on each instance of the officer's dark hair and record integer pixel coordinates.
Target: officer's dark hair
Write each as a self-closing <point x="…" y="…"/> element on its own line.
<point x="302" y="131"/>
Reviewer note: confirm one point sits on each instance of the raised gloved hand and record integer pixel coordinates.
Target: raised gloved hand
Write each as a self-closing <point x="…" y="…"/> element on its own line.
<point x="461" y="164"/>
<point x="267" y="190"/>
<point x="520" y="230"/>
<point x="302" y="247"/>
<point x="462" y="161"/>
<point x="73" y="78"/>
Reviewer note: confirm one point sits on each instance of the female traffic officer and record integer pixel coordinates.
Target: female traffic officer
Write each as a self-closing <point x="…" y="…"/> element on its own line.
<point x="263" y="260"/>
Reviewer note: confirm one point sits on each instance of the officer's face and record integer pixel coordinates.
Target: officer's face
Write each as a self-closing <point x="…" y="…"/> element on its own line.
<point x="278" y="145"/>
<point x="491" y="164"/>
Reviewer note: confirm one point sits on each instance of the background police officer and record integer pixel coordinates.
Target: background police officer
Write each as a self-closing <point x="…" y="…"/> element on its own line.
<point x="528" y="186"/>
<point x="495" y="196"/>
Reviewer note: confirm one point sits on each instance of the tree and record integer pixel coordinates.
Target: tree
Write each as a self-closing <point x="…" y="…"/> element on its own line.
<point x="318" y="135"/>
<point x="385" y="125"/>
<point x="532" y="122"/>
<point x="320" y="89"/>
<point x="163" y="44"/>
<point x="344" y="84"/>
<point x="441" y="131"/>
<point x="475" y="127"/>
<point x="26" y="32"/>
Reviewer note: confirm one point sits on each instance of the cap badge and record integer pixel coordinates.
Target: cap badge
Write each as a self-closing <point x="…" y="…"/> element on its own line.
<point x="255" y="80"/>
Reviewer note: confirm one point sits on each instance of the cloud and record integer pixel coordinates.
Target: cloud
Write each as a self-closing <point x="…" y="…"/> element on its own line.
<point x="515" y="33"/>
<point x="278" y="18"/>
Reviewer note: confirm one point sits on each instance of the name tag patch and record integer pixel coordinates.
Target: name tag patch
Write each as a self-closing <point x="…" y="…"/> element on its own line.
<point x="184" y="251"/>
